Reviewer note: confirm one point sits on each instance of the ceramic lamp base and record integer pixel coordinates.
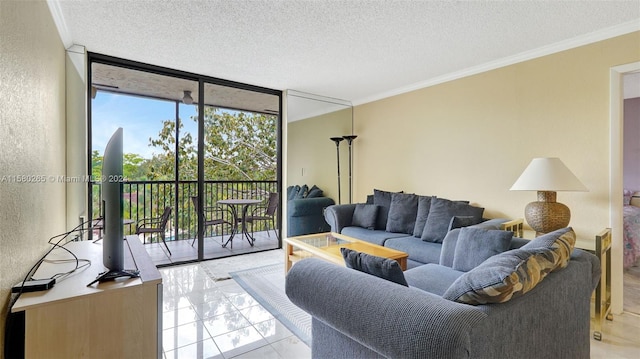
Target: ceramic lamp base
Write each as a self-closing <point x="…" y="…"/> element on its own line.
<point x="546" y="215"/>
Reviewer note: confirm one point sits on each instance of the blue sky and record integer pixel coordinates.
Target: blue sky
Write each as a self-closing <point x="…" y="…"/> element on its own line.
<point x="140" y="119"/>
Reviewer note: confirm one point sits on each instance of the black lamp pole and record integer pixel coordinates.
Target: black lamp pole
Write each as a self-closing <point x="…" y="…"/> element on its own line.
<point x="337" y="140"/>
<point x="350" y="139"/>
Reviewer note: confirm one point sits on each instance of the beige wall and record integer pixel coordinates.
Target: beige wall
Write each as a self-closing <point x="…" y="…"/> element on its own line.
<point x="311" y="155"/>
<point x="32" y="139"/>
<point x="471" y="138"/>
<point x="76" y="151"/>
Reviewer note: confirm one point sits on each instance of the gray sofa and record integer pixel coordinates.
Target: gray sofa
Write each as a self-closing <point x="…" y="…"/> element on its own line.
<point x="398" y="220"/>
<point x="305" y="209"/>
<point x="358" y="315"/>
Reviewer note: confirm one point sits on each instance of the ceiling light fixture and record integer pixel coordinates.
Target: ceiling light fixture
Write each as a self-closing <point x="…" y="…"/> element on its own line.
<point x="187" y="99"/>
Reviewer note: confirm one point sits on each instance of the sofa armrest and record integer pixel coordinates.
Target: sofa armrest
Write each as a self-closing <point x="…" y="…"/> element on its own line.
<point x="308" y="206"/>
<point x="390" y="319"/>
<point x="550" y="321"/>
<point x="304" y="216"/>
<point x="339" y="216"/>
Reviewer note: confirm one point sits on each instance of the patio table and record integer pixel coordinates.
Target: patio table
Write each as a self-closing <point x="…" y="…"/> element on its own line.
<point x="234" y="204"/>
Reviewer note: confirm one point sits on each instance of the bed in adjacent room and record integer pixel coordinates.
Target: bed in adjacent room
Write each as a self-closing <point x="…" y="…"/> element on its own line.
<point x="631" y="218"/>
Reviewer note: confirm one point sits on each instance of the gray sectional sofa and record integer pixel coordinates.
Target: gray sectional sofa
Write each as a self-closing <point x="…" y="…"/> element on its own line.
<point x="530" y="301"/>
<point x="410" y="223"/>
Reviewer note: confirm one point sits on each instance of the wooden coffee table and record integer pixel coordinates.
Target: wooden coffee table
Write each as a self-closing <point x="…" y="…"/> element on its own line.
<point x="327" y="246"/>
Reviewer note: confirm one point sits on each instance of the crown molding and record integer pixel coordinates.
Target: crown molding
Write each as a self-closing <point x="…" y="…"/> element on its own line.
<point x="582" y="40"/>
<point x="58" y="19"/>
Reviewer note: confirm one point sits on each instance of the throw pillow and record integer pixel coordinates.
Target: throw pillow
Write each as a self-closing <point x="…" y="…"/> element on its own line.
<point x="440" y="214"/>
<point x="302" y="193"/>
<point x="448" y="249"/>
<point x="475" y="245"/>
<point x="292" y="192"/>
<point x="384" y="268"/>
<point x="365" y="215"/>
<point x="560" y="241"/>
<point x="402" y="213"/>
<point x="382" y="199"/>
<point x="461" y="221"/>
<point x="424" y="203"/>
<point x="315" y="192"/>
<point x="502" y="277"/>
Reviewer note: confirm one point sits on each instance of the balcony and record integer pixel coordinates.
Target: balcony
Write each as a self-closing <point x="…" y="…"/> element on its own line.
<point x="148" y="199"/>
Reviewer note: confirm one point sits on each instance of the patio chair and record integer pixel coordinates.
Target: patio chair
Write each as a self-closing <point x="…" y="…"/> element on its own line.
<point x="213" y="216"/>
<point x="155" y="225"/>
<point x="266" y="214"/>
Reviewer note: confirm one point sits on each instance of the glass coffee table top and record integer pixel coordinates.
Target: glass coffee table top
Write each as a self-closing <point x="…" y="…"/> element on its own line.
<point x="327" y="246"/>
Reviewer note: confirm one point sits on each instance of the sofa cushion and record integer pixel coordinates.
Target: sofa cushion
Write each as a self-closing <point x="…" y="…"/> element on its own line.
<point x="502" y="277"/>
<point x="432" y="278"/>
<point x="402" y="213"/>
<point x="314" y="192"/>
<point x="461" y="221"/>
<point x="475" y="245"/>
<point x="292" y="191"/>
<point x="365" y="216"/>
<point x="449" y="247"/>
<point x="375" y="237"/>
<point x="382" y="199"/>
<point x="424" y="203"/>
<point x="440" y="214"/>
<point x="560" y="241"/>
<point x="302" y="192"/>
<point x="384" y="268"/>
<point x="417" y="249"/>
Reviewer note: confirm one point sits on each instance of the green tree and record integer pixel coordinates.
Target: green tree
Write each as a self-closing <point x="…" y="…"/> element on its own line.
<point x="238" y="146"/>
<point x="132" y="166"/>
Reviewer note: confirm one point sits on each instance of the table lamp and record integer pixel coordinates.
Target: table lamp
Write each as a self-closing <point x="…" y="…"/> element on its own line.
<point x="547" y="175"/>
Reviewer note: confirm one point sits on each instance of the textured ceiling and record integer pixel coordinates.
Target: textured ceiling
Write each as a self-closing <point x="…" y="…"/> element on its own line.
<point x="352" y="50"/>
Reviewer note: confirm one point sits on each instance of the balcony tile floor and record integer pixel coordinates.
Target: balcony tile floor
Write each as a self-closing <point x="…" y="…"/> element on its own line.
<point x="208" y="315"/>
<point x="182" y="251"/>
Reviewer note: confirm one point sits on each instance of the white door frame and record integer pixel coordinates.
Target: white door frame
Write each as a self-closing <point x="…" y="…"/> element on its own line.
<point x="616" y="180"/>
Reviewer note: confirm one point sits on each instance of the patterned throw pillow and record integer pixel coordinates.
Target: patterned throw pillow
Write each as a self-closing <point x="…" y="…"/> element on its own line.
<point x="560" y="241"/>
<point x="503" y="277"/>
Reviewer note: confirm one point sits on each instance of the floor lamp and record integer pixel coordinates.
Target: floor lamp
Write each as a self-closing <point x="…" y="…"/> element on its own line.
<point x="337" y="140"/>
<point x="350" y="139"/>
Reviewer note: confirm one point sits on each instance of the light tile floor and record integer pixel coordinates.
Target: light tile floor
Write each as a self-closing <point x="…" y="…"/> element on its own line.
<point x="208" y="315"/>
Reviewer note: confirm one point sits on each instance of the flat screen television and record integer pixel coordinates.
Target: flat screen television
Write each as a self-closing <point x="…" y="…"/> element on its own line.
<point x="112" y="211"/>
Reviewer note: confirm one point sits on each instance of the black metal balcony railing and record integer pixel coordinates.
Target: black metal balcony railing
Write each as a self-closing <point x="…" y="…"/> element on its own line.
<point x="147" y="199"/>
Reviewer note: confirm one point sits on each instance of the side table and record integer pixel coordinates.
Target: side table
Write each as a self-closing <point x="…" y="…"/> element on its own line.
<point x="601" y="247"/>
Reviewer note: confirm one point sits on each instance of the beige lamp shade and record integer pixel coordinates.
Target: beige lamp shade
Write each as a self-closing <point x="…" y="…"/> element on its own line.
<point x="547" y="175"/>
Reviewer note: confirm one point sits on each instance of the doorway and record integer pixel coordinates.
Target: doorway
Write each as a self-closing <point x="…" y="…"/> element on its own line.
<point x="631" y="185"/>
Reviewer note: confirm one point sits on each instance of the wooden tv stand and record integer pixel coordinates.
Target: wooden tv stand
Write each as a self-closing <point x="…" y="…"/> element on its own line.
<point x="117" y="319"/>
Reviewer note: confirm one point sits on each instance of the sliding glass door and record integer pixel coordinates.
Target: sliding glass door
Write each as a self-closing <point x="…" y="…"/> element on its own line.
<point x="190" y="141"/>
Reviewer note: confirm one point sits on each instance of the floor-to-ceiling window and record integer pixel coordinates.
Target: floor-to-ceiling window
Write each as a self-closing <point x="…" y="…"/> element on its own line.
<point x="187" y="139"/>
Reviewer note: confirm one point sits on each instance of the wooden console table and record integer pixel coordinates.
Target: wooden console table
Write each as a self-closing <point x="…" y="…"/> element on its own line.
<point x="118" y="319"/>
